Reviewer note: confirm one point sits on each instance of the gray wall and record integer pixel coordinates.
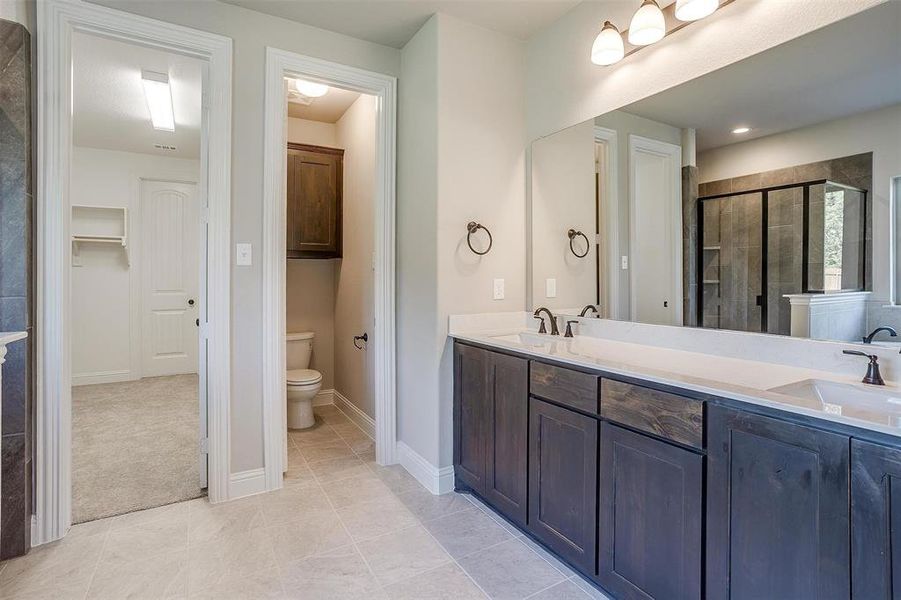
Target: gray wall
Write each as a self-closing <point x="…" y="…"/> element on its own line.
<point x="16" y="285"/>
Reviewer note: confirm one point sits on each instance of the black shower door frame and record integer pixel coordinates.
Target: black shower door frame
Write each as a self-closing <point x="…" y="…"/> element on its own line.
<point x="762" y="298"/>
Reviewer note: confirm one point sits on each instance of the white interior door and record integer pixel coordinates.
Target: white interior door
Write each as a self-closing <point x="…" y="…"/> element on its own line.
<point x="655" y="194"/>
<point x="170" y="224"/>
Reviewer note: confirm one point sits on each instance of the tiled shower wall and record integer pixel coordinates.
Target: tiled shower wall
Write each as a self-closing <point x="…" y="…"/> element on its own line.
<point x="16" y="286"/>
<point x="738" y="265"/>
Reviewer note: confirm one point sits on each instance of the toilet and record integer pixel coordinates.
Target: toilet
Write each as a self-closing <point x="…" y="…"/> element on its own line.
<point x="303" y="382"/>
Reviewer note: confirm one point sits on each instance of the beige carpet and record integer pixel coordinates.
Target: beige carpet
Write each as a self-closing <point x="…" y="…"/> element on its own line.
<point x="134" y="445"/>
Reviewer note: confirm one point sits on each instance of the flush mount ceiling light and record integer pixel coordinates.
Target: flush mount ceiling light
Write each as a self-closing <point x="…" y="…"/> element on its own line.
<point x="608" y="46"/>
<point x="310" y="89"/>
<point x="159" y="100"/>
<point x="692" y="10"/>
<point x="740" y="130"/>
<point x="648" y="24"/>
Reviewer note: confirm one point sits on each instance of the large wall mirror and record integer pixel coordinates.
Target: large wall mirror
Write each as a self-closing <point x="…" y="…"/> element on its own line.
<point x="755" y="198"/>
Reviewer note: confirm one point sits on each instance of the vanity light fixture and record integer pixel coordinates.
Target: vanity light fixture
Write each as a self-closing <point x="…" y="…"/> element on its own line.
<point x="692" y="10"/>
<point x="608" y="46"/>
<point x="159" y="100"/>
<point x="740" y="130"/>
<point x="648" y="24"/>
<point x="310" y="89"/>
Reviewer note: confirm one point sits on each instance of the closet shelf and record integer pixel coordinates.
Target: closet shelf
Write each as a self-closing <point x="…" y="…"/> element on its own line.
<point x="98" y="225"/>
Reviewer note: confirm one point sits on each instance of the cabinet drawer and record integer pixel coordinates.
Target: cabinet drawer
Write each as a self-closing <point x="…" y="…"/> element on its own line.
<point x="564" y="386"/>
<point x="670" y="416"/>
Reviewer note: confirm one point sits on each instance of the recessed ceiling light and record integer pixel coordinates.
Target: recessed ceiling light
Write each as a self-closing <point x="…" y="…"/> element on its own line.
<point x="309" y="89"/>
<point x="159" y="100"/>
<point x="741" y="130"/>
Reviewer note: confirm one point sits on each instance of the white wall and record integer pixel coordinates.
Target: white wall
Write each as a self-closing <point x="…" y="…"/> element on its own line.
<point x="354" y="308"/>
<point x="252" y="32"/>
<point x="418" y="342"/>
<point x="563" y="197"/>
<point x="304" y="131"/>
<point x="106" y="325"/>
<point x="19" y="11"/>
<point x="461" y="159"/>
<point x="563" y="87"/>
<point x="876" y="131"/>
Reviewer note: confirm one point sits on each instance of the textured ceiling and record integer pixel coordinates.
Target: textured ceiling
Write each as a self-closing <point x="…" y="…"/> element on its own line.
<point x="110" y="111"/>
<point x="328" y="108"/>
<point x="394" y="22"/>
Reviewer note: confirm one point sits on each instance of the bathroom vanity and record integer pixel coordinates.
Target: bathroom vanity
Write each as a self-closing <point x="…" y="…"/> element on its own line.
<point x="657" y="484"/>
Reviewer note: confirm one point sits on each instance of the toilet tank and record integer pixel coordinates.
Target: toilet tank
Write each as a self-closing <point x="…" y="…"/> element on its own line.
<point x="298" y="350"/>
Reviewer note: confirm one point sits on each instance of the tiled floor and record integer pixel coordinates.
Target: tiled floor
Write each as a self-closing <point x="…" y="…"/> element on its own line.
<point x="342" y="527"/>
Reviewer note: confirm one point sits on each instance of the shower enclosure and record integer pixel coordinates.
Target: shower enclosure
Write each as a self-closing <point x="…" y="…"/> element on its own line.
<point x="760" y="245"/>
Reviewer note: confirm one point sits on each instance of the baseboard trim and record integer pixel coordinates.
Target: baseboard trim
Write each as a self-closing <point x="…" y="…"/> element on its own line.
<point x="352" y="412"/>
<point x="103" y="377"/>
<point x="246" y="483"/>
<point x="324" y="398"/>
<point x="437" y="481"/>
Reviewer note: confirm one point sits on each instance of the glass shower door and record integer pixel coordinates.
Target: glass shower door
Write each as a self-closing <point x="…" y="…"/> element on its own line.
<point x="731" y="262"/>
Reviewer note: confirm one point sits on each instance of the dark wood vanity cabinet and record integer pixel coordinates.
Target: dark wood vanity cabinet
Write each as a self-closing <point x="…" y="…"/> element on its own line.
<point x="563" y="450"/>
<point x="650" y="517"/>
<point x="777" y="509"/>
<point x="875" y="534"/>
<point x="490" y="427"/>
<point x="314" y="201"/>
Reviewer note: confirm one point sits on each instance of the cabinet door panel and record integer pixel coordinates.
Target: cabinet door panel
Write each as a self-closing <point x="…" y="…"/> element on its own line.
<point x="471" y="411"/>
<point x="563" y="482"/>
<point x="314" y="201"/>
<point x="777" y="509"/>
<point x="508" y="421"/>
<point x="649" y="530"/>
<point x="875" y="521"/>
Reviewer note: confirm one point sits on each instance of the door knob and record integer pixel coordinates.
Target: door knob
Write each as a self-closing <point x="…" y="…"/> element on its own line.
<point x="191" y="302"/>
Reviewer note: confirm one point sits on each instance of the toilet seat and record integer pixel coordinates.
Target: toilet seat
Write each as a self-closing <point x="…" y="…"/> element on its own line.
<point x="303" y="377"/>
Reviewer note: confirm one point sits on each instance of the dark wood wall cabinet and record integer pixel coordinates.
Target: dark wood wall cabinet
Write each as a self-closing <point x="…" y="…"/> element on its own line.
<point x="653" y="492"/>
<point x="314" y="201"/>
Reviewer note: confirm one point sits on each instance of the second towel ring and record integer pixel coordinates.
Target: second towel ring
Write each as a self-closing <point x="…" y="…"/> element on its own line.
<point x="573" y="234"/>
<point x="471" y="228"/>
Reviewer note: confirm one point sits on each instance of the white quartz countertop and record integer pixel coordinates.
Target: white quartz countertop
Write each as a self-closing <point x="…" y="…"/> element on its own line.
<point x="7" y="337"/>
<point x="740" y="379"/>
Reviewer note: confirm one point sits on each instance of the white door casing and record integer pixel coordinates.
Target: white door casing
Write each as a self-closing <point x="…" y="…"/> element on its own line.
<point x="170" y="278"/>
<point x="606" y="153"/>
<point x="57" y="20"/>
<point x="281" y="64"/>
<point x="655" y="216"/>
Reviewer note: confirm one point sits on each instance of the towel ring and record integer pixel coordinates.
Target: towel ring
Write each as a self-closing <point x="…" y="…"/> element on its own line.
<point x="471" y="228"/>
<point x="573" y="234"/>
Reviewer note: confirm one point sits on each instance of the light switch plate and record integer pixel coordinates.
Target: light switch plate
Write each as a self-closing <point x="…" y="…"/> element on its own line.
<point x="550" y="288"/>
<point x="498" y="289"/>
<point x="243" y="255"/>
<point x="625" y="263"/>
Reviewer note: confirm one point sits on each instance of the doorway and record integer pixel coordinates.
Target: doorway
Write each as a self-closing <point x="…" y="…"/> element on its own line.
<point x="58" y="253"/>
<point x="381" y="339"/>
<point x="135" y="228"/>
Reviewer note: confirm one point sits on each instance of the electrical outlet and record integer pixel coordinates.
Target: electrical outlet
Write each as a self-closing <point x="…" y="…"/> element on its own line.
<point x="625" y="263"/>
<point x="498" y="289"/>
<point x="550" y="288"/>
<point x="243" y="255"/>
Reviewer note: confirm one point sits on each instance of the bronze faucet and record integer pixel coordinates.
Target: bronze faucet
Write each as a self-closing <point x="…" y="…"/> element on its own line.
<point x="551" y="317"/>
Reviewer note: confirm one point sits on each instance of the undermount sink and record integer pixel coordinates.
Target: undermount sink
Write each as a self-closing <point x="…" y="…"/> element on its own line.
<point x="843" y="398"/>
<point x="526" y="339"/>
